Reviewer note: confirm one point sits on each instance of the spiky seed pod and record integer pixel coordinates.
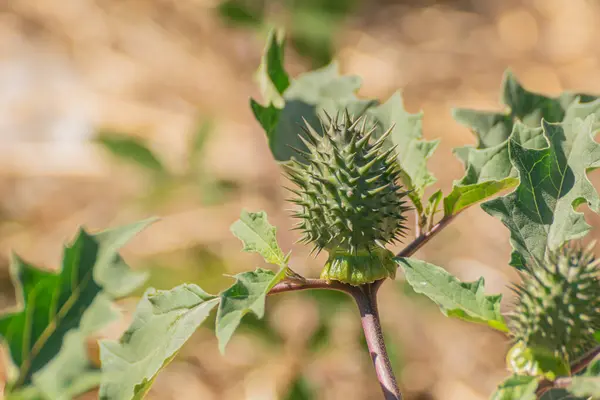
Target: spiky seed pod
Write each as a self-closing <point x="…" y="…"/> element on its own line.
<point x="350" y="201"/>
<point x="558" y="304"/>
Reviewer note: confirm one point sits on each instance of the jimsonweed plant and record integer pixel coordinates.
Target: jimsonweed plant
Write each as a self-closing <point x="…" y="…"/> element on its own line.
<point x="356" y="169"/>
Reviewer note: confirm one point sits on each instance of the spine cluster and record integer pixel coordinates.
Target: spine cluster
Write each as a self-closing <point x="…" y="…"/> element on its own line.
<point x="558" y="304"/>
<point x="351" y="204"/>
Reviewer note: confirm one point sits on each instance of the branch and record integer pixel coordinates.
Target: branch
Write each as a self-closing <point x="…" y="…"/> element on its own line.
<point x="366" y="300"/>
<point x="425" y="237"/>
<point x="565" y="382"/>
<point x="295" y="284"/>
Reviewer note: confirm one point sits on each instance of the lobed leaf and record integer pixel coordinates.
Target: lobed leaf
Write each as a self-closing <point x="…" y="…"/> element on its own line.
<point x="517" y="387"/>
<point x="488" y="167"/>
<point x="463" y="300"/>
<point x="163" y="321"/>
<point x="585" y="386"/>
<point x="259" y="236"/>
<point x="413" y="152"/>
<point x="248" y="294"/>
<point x="46" y="333"/>
<point x="289" y="101"/>
<point x="540" y="213"/>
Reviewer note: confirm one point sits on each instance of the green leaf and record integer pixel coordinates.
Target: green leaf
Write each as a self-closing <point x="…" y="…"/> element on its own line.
<point x="271" y="75"/>
<point x="288" y="102"/>
<point x="248" y="294"/>
<point x="132" y="150"/>
<point x="258" y="236"/>
<point x="540" y="362"/>
<point x="540" y="213"/>
<point x="163" y="321"/>
<point x="52" y="317"/>
<point x="413" y="152"/>
<point x="71" y="373"/>
<point x="300" y="389"/>
<point x="560" y="394"/>
<point x="585" y="386"/>
<point x="463" y="300"/>
<point x="242" y="12"/>
<point x="488" y="168"/>
<point x="492" y="129"/>
<point x="517" y="388"/>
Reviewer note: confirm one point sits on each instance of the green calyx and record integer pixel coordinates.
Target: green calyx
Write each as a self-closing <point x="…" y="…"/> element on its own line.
<point x="348" y="193"/>
<point x="358" y="268"/>
<point x="558" y="304"/>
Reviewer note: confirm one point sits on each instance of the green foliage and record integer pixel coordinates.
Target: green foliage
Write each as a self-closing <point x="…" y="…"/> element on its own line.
<point x="557" y="304"/>
<point x="488" y="166"/>
<point x="258" y="236"/>
<point x="312" y="24"/>
<point x="517" y="388"/>
<point x="164" y="184"/>
<point x="162" y="323"/>
<point x="561" y="394"/>
<point x="300" y="389"/>
<point x="242" y="13"/>
<point x="540" y="213"/>
<point x="307" y="95"/>
<point x="536" y="361"/>
<point x="131" y="149"/>
<point x="248" y="294"/>
<point x="463" y="300"/>
<point x="46" y="334"/>
<point x="587" y="384"/>
<point x="325" y="91"/>
<point x="351" y="206"/>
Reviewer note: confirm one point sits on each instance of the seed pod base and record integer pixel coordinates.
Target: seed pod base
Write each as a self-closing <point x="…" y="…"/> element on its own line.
<point x="359" y="268"/>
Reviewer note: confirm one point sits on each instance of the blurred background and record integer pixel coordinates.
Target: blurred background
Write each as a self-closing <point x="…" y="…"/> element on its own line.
<point x="114" y="110"/>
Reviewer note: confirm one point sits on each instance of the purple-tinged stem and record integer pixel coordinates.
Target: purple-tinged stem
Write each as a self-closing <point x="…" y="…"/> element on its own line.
<point x="366" y="300"/>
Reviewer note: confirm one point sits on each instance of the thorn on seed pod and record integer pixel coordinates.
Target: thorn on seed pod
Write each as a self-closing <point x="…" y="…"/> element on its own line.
<point x="558" y="303"/>
<point x="351" y="202"/>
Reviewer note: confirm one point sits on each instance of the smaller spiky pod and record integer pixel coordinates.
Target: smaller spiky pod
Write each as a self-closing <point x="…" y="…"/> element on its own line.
<point x="351" y="203"/>
<point x="558" y="304"/>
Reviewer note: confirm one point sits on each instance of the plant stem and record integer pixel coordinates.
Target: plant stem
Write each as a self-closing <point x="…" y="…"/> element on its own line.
<point x="292" y="285"/>
<point x="425" y="237"/>
<point x="366" y="300"/>
<point x="564" y="382"/>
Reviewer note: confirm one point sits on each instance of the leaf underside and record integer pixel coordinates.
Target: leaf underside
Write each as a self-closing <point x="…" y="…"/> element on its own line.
<point x="248" y="294"/>
<point x="162" y="323"/>
<point x="540" y="213"/>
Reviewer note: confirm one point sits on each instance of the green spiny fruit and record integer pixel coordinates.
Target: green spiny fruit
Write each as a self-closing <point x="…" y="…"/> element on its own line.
<point x="558" y="304"/>
<point x="351" y="203"/>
